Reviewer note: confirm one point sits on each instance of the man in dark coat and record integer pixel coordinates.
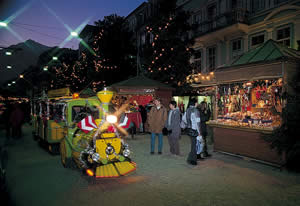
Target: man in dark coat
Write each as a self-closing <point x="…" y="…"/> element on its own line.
<point x="173" y="126"/>
<point x="204" y="116"/>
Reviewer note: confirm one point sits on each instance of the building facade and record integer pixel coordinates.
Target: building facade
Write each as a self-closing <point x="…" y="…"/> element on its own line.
<point x="225" y="29"/>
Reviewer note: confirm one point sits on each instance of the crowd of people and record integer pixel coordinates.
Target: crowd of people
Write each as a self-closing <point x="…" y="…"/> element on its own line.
<point x="13" y="117"/>
<point x="160" y="121"/>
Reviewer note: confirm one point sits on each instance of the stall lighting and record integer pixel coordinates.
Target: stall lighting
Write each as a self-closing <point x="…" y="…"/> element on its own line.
<point x="211" y="73"/>
<point x="21" y="76"/>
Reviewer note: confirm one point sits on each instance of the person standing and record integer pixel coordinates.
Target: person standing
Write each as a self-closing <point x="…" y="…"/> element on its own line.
<point x="156" y="120"/>
<point x="193" y="129"/>
<point x="173" y="126"/>
<point x="16" y="120"/>
<point x="204" y="116"/>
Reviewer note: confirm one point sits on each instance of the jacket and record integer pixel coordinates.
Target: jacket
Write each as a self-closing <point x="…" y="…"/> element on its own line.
<point x="175" y="122"/>
<point x="157" y="119"/>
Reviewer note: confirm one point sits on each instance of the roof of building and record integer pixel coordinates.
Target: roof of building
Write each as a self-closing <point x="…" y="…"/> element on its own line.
<point x="87" y="30"/>
<point x="269" y="51"/>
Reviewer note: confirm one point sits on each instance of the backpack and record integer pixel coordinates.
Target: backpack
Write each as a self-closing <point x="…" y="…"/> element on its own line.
<point x="183" y="122"/>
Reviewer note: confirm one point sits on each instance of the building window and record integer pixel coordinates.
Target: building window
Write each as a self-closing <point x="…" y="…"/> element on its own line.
<point x="236" y="45"/>
<point x="196" y="18"/>
<point x="284" y="36"/>
<point x="257" y="40"/>
<point x="211" y="58"/>
<point x="257" y="5"/>
<point x="212" y="11"/>
<point x="279" y="1"/>
<point x="197" y="63"/>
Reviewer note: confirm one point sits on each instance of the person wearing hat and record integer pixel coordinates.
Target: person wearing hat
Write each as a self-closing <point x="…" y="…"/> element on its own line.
<point x="156" y="120"/>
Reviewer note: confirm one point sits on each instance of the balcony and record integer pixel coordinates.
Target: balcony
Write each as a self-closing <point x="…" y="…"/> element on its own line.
<point x="229" y="22"/>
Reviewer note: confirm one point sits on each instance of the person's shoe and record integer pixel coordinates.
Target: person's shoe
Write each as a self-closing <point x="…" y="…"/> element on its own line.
<point x="192" y="162"/>
<point x="159" y="153"/>
<point x="152" y="153"/>
<point x="205" y="154"/>
<point x="199" y="157"/>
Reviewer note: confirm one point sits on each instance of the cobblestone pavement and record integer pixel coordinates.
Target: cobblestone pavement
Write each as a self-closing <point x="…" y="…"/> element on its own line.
<point x="37" y="178"/>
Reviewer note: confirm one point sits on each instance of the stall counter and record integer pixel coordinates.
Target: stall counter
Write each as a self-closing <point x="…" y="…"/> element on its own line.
<point x="244" y="141"/>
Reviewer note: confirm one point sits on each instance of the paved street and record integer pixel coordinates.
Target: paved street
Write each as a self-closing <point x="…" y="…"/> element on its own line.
<point x="37" y="178"/>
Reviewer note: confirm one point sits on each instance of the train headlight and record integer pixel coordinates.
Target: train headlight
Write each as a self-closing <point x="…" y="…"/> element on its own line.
<point x="111" y="119"/>
<point x="109" y="150"/>
<point x="126" y="152"/>
<point x="95" y="157"/>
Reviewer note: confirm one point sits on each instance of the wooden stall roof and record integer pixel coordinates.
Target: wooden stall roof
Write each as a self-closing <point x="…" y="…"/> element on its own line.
<point x="269" y="51"/>
<point x="263" y="62"/>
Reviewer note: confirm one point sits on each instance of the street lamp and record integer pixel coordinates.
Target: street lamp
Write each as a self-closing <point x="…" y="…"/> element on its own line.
<point x="74" y="34"/>
<point x="21" y="76"/>
<point x="13" y="82"/>
<point x="3" y="24"/>
<point x="8" y="53"/>
<point x="45" y="68"/>
<point x="8" y="67"/>
<point x="54" y="58"/>
<point x="9" y="84"/>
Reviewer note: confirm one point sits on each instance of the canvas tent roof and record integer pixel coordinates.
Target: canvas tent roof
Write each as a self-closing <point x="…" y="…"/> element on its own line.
<point x="141" y="82"/>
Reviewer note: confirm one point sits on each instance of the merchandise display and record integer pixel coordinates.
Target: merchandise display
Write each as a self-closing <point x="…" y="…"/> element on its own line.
<point x="256" y="104"/>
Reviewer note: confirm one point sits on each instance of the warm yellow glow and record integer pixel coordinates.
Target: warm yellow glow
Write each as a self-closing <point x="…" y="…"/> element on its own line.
<point x="89" y="172"/>
<point x="211" y="73"/>
<point x="202" y="77"/>
<point x="207" y="77"/>
<point x="75" y="96"/>
<point x="21" y="76"/>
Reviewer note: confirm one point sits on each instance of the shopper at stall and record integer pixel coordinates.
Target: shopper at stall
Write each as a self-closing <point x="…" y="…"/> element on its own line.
<point x="204" y="116"/>
<point x="193" y="129"/>
<point x="173" y="126"/>
<point x="156" y="119"/>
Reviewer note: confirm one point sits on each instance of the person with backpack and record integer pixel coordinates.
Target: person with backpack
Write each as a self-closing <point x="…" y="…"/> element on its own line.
<point x="204" y="116"/>
<point x="192" y="117"/>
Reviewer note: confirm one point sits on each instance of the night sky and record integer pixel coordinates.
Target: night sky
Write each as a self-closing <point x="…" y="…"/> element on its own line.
<point x="46" y="21"/>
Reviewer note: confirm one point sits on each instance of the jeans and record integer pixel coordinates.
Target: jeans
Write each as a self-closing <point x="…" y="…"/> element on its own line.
<point x="160" y="141"/>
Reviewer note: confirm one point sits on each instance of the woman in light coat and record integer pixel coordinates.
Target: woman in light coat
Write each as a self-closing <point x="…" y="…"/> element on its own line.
<point x="173" y="126"/>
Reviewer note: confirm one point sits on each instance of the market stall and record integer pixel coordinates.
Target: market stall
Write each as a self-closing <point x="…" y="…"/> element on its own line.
<point x="139" y="91"/>
<point x="249" y="101"/>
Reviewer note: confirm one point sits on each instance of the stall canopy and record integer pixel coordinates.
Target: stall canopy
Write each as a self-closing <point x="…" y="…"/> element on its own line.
<point x="262" y="62"/>
<point x="143" y="89"/>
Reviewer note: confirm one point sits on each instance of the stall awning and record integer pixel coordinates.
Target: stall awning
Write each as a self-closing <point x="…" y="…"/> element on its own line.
<point x="264" y="62"/>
